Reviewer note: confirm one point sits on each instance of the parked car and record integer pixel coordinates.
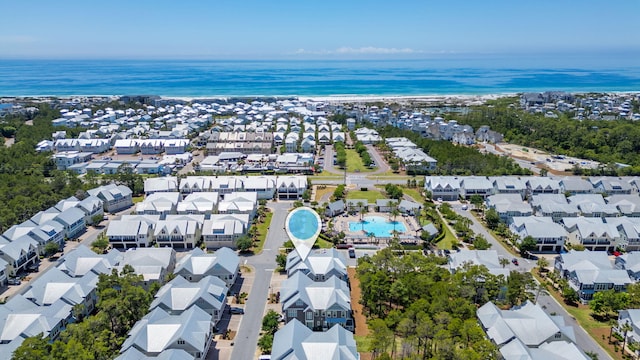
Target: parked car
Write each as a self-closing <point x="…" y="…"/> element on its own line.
<point x="13" y="281"/>
<point x="514" y="261"/>
<point x="237" y="310"/>
<point x="33" y="267"/>
<point x="465" y="207"/>
<point x="352" y="253"/>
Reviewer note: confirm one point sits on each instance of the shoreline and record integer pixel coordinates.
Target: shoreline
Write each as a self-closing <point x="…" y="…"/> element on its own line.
<point x="326" y="98"/>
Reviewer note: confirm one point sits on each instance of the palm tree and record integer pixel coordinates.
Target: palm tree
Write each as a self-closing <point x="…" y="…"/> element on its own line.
<point x="371" y="236"/>
<point x="504" y="261"/>
<point x="362" y="211"/>
<point x="625" y="328"/>
<point x="394" y="213"/>
<point x="542" y="264"/>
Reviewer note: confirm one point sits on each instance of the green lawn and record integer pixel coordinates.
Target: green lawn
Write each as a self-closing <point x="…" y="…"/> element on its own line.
<point x="262" y="230"/>
<point x="137" y="199"/>
<point x="323" y="244"/>
<point x="448" y="240"/>
<point x="363" y="343"/>
<point x="370" y="195"/>
<point x="415" y="194"/>
<point x="354" y="162"/>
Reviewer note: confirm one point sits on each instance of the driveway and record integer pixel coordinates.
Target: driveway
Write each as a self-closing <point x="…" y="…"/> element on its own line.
<point x="264" y="264"/>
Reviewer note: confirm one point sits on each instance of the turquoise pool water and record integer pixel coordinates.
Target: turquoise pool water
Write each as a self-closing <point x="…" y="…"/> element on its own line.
<point x="303" y="224"/>
<point x="378" y="225"/>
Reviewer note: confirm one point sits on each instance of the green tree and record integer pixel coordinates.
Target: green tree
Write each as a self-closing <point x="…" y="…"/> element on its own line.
<point x="492" y="218"/>
<point x="570" y="295"/>
<point x="244" y="243"/>
<point x="265" y="343"/>
<point x="270" y="322"/>
<point x="504" y="262"/>
<point x="100" y="245"/>
<point x="481" y="243"/>
<point x="542" y="263"/>
<point x="527" y="245"/>
<point x="35" y="347"/>
<point x="477" y="201"/>
<point x="51" y="248"/>
<point x="281" y="260"/>
<point x="518" y="287"/>
<point x="625" y="328"/>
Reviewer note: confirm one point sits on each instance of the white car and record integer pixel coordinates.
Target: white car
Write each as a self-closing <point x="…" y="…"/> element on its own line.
<point x="464" y="207"/>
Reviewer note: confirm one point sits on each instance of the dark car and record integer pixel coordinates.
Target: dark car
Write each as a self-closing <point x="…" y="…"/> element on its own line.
<point x="13" y="281"/>
<point x="237" y="310"/>
<point x="515" y="261"/>
<point x="352" y="253"/>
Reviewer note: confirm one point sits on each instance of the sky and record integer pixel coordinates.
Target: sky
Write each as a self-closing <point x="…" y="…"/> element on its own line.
<point x="306" y="29"/>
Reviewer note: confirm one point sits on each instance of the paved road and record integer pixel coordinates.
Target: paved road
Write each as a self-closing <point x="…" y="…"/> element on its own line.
<point x="264" y="264"/>
<point x="382" y="165"/>
<point x="583" y="340"/>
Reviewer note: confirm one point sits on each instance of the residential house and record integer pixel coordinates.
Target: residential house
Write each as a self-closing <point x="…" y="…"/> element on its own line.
<point x="508" y="206"/>
<point x="554" y="206"/>
<point x="158" y="332"/>
<point x="593" y="205"/>
<point x="527" y="332"/>
<point x="223" y="230"/>
<point x="631" y="317"/>
<point x="319" y="305"/>
<point x="296" y="341"/>
<point x="125" y="234"/>
<point x="542" y="185"/>
<point x="611" y="186"/>
<point x="153" y="264"/>
<point x="160" y="184"/>
<point x="179" y="295"/>
<point x="54" y="285"/>
<point x="223" y="264"/>
<point x="177" y="234"/>
<point x="82" y="261"/>
<point x="475" y="185"/>
<point x="160" y="203"/>
<point x="631" y="263"/>
<point x="49" y="232"/>
<point x="549" y="236"/>
<point x="239" y="203"/>
<point x="320" y="264"/>
<point x="19" y="254"/>
<point x="204" y="203"/>
<point x="509" y="185"/>
<point x="93" y="209"/>
<point x="589" y="272"/>
<point x="627" y="205"/>
<point x="114" y="197"/>
<point x="573" y="185"/>
<point x="446" y="188"/>
<point x="73" y="221"/>
<point x="263" y="186"/>
<point x="593" y="233"/>
<point x="291" y="187"/>
<point x="629" y="230"/>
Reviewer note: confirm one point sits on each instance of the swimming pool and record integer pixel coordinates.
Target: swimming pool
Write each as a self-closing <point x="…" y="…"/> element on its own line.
<point x="378" y="225"/>
<point x="303" y="224"/>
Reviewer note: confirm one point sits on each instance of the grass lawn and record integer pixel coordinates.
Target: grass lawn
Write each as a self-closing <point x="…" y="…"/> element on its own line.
<point x="320" y="193"/>
<point x="354" y="162"/>
<point x="415" y="194"/>
<point x="323" y="244"/>
<point x="448" y="240"/>
<point x="362" y="343"/>
<point x="137" y="199"/>
<point x="262" y="230"/>
<point x="370" y="195"/>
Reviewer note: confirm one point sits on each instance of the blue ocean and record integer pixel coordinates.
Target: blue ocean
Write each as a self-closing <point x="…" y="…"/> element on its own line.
<point x="201" y="78"/>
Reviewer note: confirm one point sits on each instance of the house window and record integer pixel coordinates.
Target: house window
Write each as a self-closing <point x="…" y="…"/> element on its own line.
<point x="292" y="313"/>
<point x="558" y="335"/>
<point x="180" y="342"/>
<point x="309" y="315"/>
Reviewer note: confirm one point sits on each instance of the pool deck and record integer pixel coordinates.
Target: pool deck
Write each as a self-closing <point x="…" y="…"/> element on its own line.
<point x="341" y="223"/>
